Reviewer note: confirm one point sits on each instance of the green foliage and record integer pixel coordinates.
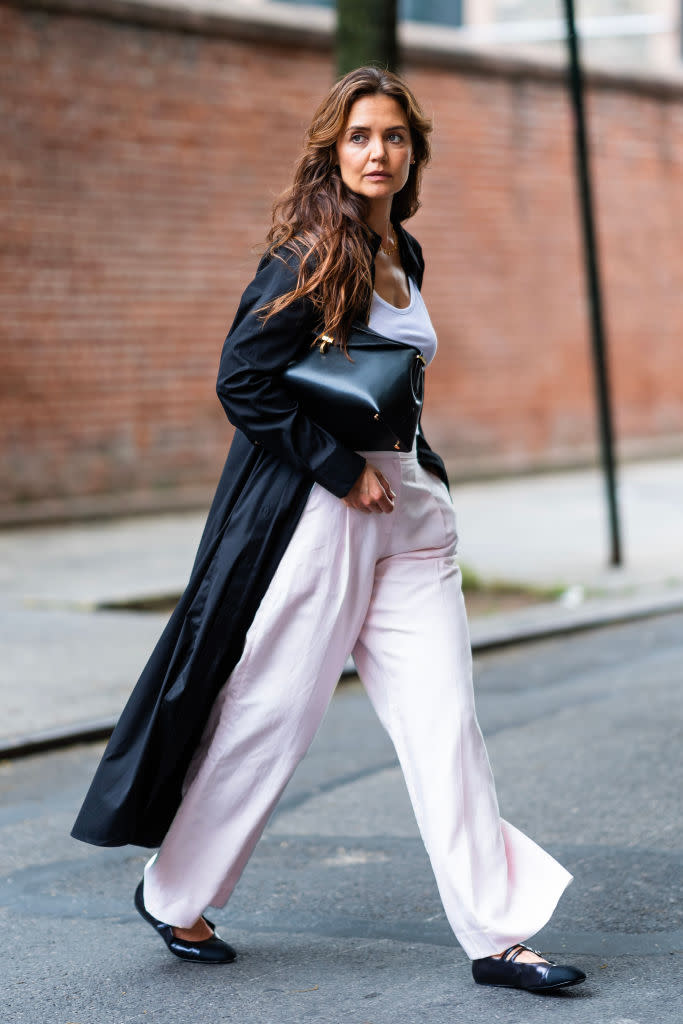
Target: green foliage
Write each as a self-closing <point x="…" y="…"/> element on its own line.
<point x="472" y="583"/>
<point x="366" y="34"/>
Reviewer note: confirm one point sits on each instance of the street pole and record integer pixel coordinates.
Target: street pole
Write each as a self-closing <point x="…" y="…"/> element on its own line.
<point x="366" y="34"/>
<point x="593" y="283"/>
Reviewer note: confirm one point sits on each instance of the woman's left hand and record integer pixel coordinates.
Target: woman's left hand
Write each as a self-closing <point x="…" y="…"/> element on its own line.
<point x="371" y="492"/>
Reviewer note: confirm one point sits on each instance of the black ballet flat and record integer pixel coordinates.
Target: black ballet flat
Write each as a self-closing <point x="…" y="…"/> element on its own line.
<point x="207" y="951"/>
<point x="544" y="977"/>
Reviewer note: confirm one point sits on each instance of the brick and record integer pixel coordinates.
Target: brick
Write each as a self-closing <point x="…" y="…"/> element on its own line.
<point x="138" y="167"/>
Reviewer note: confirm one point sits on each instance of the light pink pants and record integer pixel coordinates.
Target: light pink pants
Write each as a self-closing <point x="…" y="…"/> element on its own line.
<point x="387" y="588"/>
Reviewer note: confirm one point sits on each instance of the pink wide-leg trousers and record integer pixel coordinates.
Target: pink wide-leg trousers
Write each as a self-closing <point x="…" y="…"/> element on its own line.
<point x="387" y="588"/>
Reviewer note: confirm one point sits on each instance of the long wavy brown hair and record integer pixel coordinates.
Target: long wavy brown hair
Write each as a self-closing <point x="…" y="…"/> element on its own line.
<point x="322" y="222"/>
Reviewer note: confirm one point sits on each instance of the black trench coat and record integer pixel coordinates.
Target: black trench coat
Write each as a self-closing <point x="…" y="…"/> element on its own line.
<point x="276" y="455"/>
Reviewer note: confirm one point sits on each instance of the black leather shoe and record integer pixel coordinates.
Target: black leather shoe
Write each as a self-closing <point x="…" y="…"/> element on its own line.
<point x="208" y="951"/>
<point x="538" y="977"/>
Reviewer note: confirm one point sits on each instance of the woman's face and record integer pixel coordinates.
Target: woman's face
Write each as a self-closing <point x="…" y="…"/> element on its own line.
<point x="375" y="151"/>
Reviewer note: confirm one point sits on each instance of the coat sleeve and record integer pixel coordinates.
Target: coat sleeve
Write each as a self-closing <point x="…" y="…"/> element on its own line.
<point x="249" y="386"/>
<point x="426" y="456"/>
<point x="429" y="459"/>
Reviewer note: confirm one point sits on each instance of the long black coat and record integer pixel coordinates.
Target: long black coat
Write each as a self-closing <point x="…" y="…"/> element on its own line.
<point x="276" y="455"/>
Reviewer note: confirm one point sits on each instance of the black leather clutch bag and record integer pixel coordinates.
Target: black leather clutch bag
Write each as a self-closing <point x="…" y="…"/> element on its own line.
<point x="370" y="399"/>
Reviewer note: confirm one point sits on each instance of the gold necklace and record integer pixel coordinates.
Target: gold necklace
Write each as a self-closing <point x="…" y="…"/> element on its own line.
<point x="393" y="247"/>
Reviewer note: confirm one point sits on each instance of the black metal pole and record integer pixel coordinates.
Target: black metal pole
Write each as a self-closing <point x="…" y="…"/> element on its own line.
<point x="593" y="283"/>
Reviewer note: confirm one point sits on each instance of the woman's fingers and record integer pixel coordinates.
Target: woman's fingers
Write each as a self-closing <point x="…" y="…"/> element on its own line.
<point x="388" y="489"/>
<point x="372" y="492"/>
<point x="384" y="502"/>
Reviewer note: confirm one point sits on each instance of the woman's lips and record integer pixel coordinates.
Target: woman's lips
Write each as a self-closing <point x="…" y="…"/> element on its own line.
<point x="378" y="174"/>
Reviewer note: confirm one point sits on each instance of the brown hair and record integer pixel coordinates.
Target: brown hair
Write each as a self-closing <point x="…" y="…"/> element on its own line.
<point x="322" y="221"/>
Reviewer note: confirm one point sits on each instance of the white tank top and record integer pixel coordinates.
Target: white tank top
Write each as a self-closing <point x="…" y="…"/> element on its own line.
<point x="411" y="325"/>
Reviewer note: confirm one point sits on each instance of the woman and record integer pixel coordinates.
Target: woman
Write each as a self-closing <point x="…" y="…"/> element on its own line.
<point x="312" y="547"/>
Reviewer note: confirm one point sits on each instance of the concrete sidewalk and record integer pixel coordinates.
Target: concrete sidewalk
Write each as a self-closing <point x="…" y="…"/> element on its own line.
<point x="70" y="657"/>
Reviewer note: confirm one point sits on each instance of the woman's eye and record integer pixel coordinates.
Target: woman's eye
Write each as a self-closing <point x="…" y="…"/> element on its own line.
<point x="395" y="137"/>
<point x="357" y="137"/>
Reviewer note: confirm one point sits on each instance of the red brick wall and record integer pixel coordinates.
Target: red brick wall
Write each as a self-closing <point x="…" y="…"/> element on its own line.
<point x="137" y="169"/>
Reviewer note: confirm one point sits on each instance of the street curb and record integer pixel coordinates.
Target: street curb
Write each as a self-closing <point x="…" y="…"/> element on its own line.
<point x="548" y="620"/>
<point x="495" y="632"/>
<point x="53" y="739"/>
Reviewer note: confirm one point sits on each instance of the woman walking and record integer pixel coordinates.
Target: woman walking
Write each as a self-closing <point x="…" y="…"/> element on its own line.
<point x="313" y="551"/>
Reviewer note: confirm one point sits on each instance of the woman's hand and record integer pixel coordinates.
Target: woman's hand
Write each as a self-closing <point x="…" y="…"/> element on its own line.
<point x="371" y="492"/>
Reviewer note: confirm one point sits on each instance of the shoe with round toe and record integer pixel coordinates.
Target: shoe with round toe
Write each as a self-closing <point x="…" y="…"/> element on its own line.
<point x="207" y="951"/>
<point x="535" y="977"/>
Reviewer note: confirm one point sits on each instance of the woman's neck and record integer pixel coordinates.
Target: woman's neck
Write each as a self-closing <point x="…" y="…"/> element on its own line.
<point x="379" y="219"/>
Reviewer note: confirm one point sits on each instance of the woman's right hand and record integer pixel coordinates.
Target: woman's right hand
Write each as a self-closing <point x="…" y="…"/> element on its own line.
<point x="371" y="492"/>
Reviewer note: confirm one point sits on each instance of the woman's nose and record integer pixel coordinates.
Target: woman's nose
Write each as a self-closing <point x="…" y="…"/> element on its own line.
<point x="377" y="149"/>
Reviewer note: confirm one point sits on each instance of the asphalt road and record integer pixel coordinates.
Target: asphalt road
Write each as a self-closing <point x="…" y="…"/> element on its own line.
<point x="337" y="917"/>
